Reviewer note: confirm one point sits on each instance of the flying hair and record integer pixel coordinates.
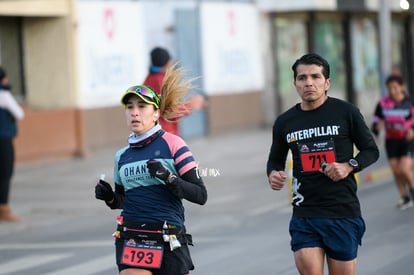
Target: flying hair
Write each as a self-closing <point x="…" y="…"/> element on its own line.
<point x="173" y="90"/>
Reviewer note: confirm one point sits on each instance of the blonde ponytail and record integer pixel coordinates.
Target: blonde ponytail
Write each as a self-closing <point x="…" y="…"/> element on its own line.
<point x="173" y="90"/>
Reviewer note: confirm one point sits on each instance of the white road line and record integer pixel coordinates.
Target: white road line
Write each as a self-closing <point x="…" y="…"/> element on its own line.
<point x="30" y="261"/>
<point x="90" y="267"/>
<point x="25" y="246"/>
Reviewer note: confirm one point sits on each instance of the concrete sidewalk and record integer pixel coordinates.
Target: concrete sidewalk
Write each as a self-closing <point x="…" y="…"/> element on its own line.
<point x="50" y="192"/>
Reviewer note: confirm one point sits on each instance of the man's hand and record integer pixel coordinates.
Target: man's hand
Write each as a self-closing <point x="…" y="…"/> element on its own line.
<point x="277" y="179"/>
<point x="410" y="134"/>
<point x="156" y="169"/>
<point x="103" y="191"/>
<point x="197" y="102"/>
<point x="337" y="171"/>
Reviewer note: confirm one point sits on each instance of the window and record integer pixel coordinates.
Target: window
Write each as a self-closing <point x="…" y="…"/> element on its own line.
<point x="11" y="53"/>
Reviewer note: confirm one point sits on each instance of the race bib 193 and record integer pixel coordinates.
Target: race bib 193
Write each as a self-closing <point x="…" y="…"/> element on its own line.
<point x="142" y="255"/>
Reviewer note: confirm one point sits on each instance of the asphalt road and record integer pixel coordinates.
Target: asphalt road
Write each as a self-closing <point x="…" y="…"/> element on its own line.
<point x="242" y="230"/>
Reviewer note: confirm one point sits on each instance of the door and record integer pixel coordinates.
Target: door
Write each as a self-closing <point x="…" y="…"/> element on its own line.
<point x="188" y="52"/>
<point x="11" y="57"/>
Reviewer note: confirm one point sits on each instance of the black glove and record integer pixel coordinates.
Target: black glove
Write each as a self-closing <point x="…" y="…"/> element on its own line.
<point x="156" y="169"/>
<point x="103" y="191"/>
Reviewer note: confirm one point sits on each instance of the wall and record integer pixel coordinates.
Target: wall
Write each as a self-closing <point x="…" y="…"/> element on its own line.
<point x="235" y="112"/>
<point x="48" y="81"/>
<point x="105" y="127"/>
<point x="47" y="135"/>
<point x="52" y="127"/>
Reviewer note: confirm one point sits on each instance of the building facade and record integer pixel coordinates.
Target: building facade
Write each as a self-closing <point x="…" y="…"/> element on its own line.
<point x="70" y="60"/>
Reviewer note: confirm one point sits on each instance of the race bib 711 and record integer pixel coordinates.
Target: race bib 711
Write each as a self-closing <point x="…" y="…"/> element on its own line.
<point x="313" y="154"/>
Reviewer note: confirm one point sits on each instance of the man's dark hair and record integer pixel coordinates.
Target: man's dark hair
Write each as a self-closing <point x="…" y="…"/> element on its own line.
<point x="312" y="59"/>
<point x="396" y="78"/>
<point x="159" y="57"/>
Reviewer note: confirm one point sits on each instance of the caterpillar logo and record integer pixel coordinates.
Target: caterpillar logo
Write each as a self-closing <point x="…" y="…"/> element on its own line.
<point x="332" y="130"/>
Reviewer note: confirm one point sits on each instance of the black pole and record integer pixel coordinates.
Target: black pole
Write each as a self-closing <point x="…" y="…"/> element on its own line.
<point x="409" y="51"/>
<point x="349" y="82"/>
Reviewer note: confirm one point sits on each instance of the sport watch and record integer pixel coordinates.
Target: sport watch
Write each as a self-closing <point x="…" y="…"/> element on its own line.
<point x="171" y="179"/>
<point x="354" y="164"/>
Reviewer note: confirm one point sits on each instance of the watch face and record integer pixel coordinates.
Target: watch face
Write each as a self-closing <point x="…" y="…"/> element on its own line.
<point x="172" y="179"/>
<point x="353" y="163"/>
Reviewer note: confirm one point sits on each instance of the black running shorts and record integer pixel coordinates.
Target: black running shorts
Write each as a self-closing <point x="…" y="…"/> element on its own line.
<point x="397" y="148"/>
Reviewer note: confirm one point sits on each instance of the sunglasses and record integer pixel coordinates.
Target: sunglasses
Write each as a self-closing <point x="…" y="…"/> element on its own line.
<point x="145" y="93"/>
